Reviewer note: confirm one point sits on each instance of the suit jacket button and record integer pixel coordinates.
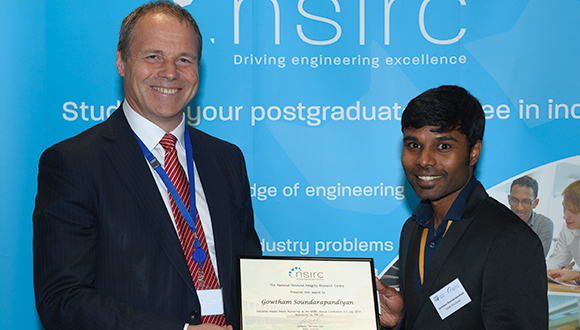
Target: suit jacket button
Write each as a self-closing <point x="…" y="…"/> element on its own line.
<point x="193" y="315"/>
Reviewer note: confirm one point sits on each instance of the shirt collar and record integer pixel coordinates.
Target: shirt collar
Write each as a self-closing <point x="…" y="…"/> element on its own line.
<point x="424" y="211"/>
<point x="147" y="131"/>
<point x="532" y="219"/>
<point x="570" y="233"/>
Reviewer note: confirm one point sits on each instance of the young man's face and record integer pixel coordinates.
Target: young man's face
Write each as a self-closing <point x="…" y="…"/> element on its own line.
<point x="522" y="201"/>
<point x="437" y="165"/>
<point x="571" y="215"/>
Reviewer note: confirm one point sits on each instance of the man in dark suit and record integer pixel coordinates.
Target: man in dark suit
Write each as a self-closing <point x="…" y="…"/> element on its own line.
<point x="109" y="240"/>
<point x="467" y="262"/>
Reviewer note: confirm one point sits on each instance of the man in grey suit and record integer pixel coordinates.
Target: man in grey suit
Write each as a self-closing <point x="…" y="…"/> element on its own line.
<point x="108" y="240"/>
<point x="467" y="261"/>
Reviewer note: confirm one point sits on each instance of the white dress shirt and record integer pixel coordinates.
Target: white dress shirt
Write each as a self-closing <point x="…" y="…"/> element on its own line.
<point x="567" y="248"/>
<point x="151" y="134"/>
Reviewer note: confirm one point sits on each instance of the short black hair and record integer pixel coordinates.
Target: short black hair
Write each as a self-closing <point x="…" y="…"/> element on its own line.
<point x="449" y="108"/>
<point x="528" y="182"/>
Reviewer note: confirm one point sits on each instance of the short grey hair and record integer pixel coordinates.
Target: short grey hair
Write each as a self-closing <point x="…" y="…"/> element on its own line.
<point x="158" y="6"/>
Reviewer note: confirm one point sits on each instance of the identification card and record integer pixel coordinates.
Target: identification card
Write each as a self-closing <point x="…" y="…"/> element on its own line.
<point x="211" y="302"/>
<point x="450" y="298"/>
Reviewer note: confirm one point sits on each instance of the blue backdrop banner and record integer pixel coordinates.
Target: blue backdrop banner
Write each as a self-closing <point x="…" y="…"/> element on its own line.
<point x="312" y="91"/>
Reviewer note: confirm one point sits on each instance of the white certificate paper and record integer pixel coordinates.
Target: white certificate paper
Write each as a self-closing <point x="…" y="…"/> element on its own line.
<point x="307" y="293"/>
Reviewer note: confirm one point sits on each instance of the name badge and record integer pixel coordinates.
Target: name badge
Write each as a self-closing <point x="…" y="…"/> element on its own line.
<point x="450" y="298"/>
<point x="211" y="302"/>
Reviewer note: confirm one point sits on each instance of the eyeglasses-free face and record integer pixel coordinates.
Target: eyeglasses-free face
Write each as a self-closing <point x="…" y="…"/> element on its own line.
<point x="571" y="215"/>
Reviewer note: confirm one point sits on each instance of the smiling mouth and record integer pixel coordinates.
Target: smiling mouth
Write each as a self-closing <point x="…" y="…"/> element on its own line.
<point x="429" y="177"/>
<point x="166" y="90"/>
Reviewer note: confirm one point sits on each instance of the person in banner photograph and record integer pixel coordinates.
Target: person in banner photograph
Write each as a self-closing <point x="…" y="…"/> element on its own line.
<point x="567" y="247"/>
<point x="139" y="220"/>
<point x="460" y="250"/>
<point x="523" y="199"/>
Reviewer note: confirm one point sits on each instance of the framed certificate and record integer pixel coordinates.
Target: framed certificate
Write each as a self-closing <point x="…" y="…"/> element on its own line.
<point x="289" y="293"/>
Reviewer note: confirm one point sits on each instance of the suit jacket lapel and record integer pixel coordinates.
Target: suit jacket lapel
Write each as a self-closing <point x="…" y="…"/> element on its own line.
<point x="410" y="291"/>
<point x="454" y="234"/>
<point x="438" y="262"/>
<point x="127" y="158"/>
<point x="207" y="166"/>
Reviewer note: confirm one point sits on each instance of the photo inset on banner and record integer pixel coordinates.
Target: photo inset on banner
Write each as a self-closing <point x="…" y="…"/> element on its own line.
<point x="537" y="206"/>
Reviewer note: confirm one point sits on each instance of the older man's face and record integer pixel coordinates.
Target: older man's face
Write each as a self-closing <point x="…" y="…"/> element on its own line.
<point x="161" y="75"/>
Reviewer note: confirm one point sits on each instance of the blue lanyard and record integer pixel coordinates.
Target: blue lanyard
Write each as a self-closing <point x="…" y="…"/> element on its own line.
<point x="199" y="254"/>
